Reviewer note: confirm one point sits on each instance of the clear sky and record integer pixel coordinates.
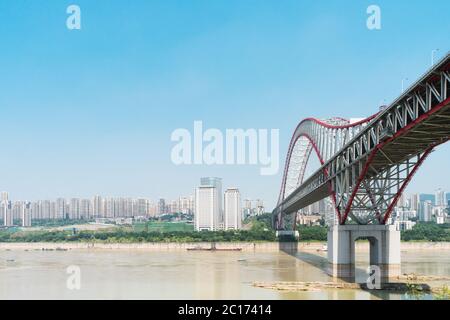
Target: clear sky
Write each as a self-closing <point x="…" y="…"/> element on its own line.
<point x="91" y="111"/>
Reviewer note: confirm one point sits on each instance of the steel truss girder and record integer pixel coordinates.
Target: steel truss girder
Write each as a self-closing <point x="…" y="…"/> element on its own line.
<point x="372" y="198"/>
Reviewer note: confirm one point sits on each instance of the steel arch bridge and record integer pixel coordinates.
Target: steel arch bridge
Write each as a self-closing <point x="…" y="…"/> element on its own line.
<point x="366" y="165"/>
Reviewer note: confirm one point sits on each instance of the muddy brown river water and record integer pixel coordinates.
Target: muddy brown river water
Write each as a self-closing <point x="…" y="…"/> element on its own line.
<point x="133" y="274"/>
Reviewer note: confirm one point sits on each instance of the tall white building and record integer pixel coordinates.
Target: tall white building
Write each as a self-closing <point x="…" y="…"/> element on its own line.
<point x="186" y="205"/>
<point x="97" y="207"/>
<point x="247" y="211"/>
<point x="17" y="210"/>
<point x="7" y="213"/>
<point x="26" y="214"/>
<point x="415" y="202"/>
<point x="109" y="208"/>
<point x="141" y="207"/>
<point x="259" y="207"/>
<point x="439" y="214"/>
<point x="401" y="203"/>
<point x="440" y="198"/>
<point x="45" y="209"/>
<point x="216" y="183"/>
<point x="207" y="211"/>
<point x="426" y="212"/>
<point x="85" y="209"/>
<point x="74" y="212"/>
<point x="4" y="196"/>
<point x="232" y="209"/>
<point x="61" y="208"/>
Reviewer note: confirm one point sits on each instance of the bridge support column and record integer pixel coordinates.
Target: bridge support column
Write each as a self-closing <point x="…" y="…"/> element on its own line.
<point x="384" y="249"/>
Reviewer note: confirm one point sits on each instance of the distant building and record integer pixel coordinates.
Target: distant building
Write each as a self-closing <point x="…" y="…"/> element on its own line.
<point x="439" y="214"/>
<point x="247" y="210"/>
<point x="186" y="205"/>
<point x="26" y="214"/>
<point x="109" y="208"/>
<point x="216" y="183"/>
<point x="74" y="212"/>
<point x="309" y="220"/>
<point x="259" y="207"/>
<point x="4" y="196"/>
<point x="97" y="207"/>
<point x="207" y="211"/>
<point x="404" y="214"/>
<point x="162" y="208"/>
<point x="404" y="225"/>
<point x="85" y="209"/>
<point x="232" y="209"/>
<point x="174" y="207"/>
<point x="401" y="203"/>
<point x="440" y="198"/>
<point x="426" y="211"/>
<point x="142" y="208"/>
<point x="6" y="207"/>
<point x="428" y="197"/>
<point x="414" y="202"/>
<point x="61" y="212"/>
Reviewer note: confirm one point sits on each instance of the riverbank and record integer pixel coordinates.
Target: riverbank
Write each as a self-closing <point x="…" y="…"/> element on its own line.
<point x="172" y="246"/>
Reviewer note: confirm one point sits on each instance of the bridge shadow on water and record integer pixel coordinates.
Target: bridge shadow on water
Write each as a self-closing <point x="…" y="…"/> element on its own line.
<point x="320" y="262"/>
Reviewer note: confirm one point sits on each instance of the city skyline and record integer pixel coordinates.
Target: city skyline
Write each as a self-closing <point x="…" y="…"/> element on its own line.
<point x="228" y="212"/>
<point x="407" y="194"/>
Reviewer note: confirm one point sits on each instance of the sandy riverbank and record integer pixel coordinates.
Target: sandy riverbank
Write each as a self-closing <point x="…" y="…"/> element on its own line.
<point x="244" y="246"/>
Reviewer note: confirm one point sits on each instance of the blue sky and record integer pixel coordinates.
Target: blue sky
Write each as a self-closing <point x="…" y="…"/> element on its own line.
<point x="91" y="111"/>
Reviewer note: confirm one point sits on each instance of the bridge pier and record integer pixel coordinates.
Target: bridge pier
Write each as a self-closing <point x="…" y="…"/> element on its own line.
<point x="384" y="249"/>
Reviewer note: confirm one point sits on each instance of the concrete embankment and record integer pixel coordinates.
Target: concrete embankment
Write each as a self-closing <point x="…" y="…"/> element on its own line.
<point x="244" y="246"/>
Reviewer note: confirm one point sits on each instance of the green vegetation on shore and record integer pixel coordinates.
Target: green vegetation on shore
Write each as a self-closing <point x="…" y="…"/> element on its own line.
<point x="423" y="231"/>
<point x="427" y="231"/>
<point x="257" y="229"/>
<point x="313" y="233"/>
<point x="162" y="226"/>
<point x="123" y="236"/>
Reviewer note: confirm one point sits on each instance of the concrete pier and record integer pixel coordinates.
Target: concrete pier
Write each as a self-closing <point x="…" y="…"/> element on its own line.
<point x="384" y="249"/>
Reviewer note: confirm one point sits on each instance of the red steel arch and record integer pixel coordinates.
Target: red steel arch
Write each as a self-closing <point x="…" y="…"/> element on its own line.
<point x="314" y="131"/>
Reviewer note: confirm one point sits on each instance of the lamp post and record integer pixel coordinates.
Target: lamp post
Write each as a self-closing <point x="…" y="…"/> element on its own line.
<point x="432" y="56"/>
<point x="403" y="84"/>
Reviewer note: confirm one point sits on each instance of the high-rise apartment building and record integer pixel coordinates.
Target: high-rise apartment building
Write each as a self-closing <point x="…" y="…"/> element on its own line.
<point x="109" y="208"/>
<point x="440" y="198"/>
<point x="4" y="196"/>
<point x="162" y="208"/>
<point x="6" y="208"/>
<point x="45" y="209"/>
<point x="97" y="207"/>
<point x="216" y="183"/>
<point x="232" y="209"/>
<point x="85" y="209"/>
<point x="140" y="208"/>
<point x="415" y="202"/>
<point x="61" y="212"/>
<point x="26" y="214"/>
<point x="401" y="202"/>
<point x="74" y="209"/>
<point x="207" y="211"/>
<point x="17" y="210"/>
<point x="426" y="211"/>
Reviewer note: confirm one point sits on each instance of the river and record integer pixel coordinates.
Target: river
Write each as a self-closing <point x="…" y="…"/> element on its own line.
<point x="134" y="274"/>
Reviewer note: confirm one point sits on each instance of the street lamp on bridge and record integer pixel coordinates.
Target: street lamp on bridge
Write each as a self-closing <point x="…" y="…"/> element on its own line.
<point x="403" y="84"/>
<point x="432" y="56"/>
